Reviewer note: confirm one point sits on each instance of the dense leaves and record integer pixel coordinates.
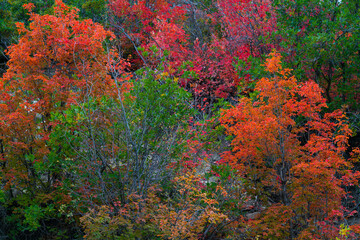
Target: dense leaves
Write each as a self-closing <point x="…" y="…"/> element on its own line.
<point x="59" y="61"/>
<point x="169" y="119"/>
<point x="290" y="154"/>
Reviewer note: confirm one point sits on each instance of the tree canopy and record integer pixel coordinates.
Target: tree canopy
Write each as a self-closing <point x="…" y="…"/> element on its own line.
<point x="171" y="119"/>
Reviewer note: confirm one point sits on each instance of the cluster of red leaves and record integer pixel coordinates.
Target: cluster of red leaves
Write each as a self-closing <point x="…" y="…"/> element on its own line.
<point x="162" y="24"/>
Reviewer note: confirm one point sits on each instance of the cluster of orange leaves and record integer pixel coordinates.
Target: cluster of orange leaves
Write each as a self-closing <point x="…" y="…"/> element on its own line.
<point x="183" y="217"/>
<point x="290" y="154"/>
<point x="58" y="61"/>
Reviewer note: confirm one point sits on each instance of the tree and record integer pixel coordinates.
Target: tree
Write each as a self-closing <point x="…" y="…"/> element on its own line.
<point x="11" y="11"/>
<point x="290" y="154"/>
<point x="123" y="144"/>
<point x="320" y="41"/>
<point x="59" y="61"/>
<point x="134" y="22"/>
<point x="205" y="65"/>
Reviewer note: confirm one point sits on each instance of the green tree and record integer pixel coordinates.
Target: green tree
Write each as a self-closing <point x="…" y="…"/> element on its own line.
<point x="320" y="41"/>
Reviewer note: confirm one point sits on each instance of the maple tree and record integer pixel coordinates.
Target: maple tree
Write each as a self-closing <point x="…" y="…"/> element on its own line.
<point x="203" y="65"/>
<point x="290" y="154"/>
<point x="246" y="24"/>
<point x="134" y="22"/>
<point x="11" y="12"/>
<point x="58" y="61"/>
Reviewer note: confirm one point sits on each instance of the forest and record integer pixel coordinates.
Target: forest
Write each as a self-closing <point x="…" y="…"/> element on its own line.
<point x="179" y="119"/>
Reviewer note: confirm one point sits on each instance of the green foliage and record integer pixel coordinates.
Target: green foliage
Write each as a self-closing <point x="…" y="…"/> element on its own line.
<point x="2" y="196"/>
<point x="160" y="101"/>
<point x="93" y="9"/>
<point x="126" y="143"/>
<point x="251" y="67"/>
<point x="33" y="215"/>
<point x="319" y="42"/>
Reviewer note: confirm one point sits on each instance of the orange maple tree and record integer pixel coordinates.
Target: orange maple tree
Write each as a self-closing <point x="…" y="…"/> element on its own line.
<point x="58" y="61"/>
<point x="290" y="155"/>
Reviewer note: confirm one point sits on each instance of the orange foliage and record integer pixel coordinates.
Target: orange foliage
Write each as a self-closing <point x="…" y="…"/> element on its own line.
<point x="195" y="211"/>
<point x="188" y="216"/>
<point x="289" y="153"/>
<point x="58" y="61"/>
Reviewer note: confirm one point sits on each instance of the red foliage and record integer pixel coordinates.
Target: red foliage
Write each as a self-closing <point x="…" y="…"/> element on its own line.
<point x="160" y="24"/>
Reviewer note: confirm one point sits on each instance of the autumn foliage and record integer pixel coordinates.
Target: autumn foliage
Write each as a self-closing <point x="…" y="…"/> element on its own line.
<point x="290" y="154"/>
<point x="167" y="119"/>
<point x="58" y="62"/>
